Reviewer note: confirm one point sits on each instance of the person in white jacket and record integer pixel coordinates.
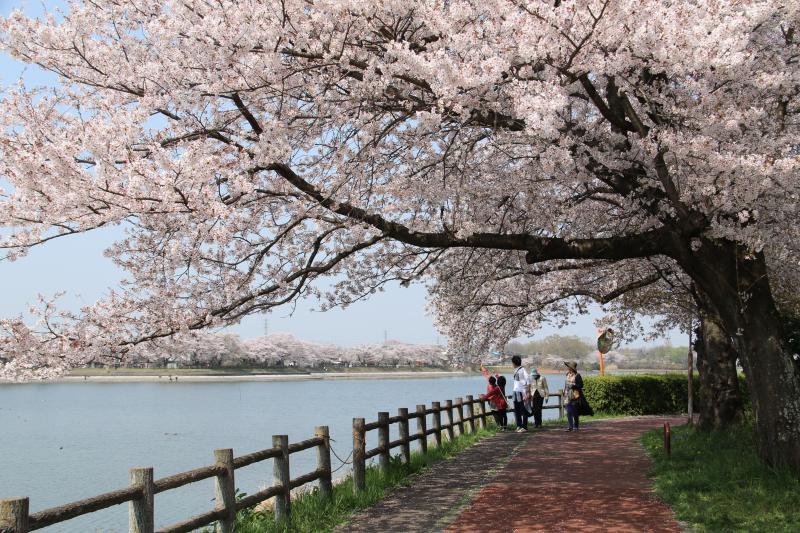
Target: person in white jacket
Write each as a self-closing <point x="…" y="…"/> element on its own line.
<point x="540" y="392"/>
<point x="522" y="393"/>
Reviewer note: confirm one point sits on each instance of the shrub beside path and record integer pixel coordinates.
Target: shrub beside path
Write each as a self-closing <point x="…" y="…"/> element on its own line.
<point x="544" y="481"/>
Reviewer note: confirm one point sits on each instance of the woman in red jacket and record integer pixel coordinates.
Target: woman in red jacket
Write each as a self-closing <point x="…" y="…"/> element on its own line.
<point x="498" y="402"/>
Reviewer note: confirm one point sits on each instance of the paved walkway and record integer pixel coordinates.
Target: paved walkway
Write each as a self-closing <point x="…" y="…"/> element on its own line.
<point x="544" y="481"/>
<point x="436" y="497"/>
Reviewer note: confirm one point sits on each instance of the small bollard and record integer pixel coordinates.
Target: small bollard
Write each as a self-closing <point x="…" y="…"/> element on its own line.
<point x="667" y="439"/>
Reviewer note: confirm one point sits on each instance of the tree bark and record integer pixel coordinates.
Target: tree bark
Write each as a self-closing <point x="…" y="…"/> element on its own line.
<point x="737" y="287"/>
<point x="720" y="398"/>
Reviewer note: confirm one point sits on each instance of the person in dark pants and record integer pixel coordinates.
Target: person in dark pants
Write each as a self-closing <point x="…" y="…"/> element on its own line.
<point x="522" y="393"/>
<point x="501" y="382"/>
<point x="540" y="394"/>
<point x="573" y="390"/>
<point x="497" y="401"/>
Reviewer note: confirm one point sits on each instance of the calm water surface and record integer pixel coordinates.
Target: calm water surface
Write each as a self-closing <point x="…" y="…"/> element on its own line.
<point x="67" y="441"/>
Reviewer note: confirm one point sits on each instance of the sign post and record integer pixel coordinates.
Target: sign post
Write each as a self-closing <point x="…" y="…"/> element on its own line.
<point x="605" y="339"/>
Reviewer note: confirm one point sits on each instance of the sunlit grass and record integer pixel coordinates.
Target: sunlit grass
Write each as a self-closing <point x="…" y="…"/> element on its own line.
<point x="716" y="482"/>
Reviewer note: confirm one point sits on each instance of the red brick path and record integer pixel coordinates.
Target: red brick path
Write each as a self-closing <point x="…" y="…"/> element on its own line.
<point x="558" y="481"/>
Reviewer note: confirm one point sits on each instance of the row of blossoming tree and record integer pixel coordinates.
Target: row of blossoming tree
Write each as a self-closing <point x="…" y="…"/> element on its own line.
<point x="279" y="350"/>
<point x="522" y="158"/>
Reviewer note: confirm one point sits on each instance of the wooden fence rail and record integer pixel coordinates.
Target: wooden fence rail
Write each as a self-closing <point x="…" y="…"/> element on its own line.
<point x="14" y="516"/>
<point x="140" y="494"/>
<point x="456" y="425"/>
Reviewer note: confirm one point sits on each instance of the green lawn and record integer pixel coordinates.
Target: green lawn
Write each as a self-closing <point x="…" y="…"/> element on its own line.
<point x="716" y="483"/>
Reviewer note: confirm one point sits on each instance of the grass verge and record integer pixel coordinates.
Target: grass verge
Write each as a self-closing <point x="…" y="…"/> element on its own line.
<point x="310" y="512"/>
<point x="716" y="482"/>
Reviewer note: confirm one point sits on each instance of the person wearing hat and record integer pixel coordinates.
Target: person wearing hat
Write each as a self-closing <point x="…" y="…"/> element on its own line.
<point x="573" y="390"/>
<point x="540" y="394"/>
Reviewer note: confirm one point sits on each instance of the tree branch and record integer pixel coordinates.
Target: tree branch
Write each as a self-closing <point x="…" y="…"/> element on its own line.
<point x="654" y="242"/>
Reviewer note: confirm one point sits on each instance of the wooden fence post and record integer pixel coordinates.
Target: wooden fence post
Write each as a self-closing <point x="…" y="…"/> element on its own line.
<point x="141" y="512"/>
<point x="560" y="406"/>
<point x="280" y="477"/>
<point x="405" y="447"/>
<point x="422" y="428"/>
<point x="460" y="412"/>
<point x="470" y="415"/>
<point x="324" y="461"/>
<point x="359" y="450"/>
<point x="437" y="423"/>
<point x="14" y="515"/>
<point x="448" y="406"/>
<point x="226" y="490"/>
<point x="482" y="410"/>
<point x="383" y="441"/>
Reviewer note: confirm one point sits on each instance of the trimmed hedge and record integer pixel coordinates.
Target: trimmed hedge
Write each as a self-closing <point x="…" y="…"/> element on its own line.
<point x="640" y="394"/>
<point x="643" y="394"/>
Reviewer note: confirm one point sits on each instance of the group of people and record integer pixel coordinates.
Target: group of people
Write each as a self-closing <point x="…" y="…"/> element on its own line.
<point x="530" y="393"/>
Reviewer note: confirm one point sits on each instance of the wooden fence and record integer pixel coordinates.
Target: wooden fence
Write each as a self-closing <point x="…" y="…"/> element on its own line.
<point x="140" y="494"/>
<point x="457" y="423"/>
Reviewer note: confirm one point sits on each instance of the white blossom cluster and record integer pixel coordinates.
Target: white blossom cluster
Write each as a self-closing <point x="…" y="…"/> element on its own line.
<point x="281" y="350"/>
<point x="521" y="158"/>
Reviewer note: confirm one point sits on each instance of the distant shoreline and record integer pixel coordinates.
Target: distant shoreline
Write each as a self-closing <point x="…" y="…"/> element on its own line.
<point x="265" y="377"/>
<point x="187" y="375"/>
<point x="211" y="378"/>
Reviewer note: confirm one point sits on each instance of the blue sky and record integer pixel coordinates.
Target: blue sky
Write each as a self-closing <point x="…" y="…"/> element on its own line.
<point x="77" y="266"/>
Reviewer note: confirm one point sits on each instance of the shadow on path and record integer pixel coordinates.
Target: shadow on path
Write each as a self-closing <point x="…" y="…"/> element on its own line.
<point x="436" y="496"/>
<point x="544" y="481"/>
<point x="591" y="480"/>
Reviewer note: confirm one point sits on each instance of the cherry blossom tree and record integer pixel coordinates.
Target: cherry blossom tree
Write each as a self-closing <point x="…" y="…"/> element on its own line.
<point x="520" y="298"/>
<point x="673" y="300"/>
<point x="252" y="147"/>
<point x="199" y="349"/>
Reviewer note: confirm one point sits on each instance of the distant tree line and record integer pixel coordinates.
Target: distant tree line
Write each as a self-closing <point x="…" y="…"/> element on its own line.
<point x="552" y="350"/>
<point x="218" y="350"/>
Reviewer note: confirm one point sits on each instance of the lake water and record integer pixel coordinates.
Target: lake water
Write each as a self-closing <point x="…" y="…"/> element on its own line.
<point x="66" y="441"/>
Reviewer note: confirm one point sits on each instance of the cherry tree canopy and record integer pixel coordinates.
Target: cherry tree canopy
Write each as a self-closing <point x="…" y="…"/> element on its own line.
<point x="251" y="147"/>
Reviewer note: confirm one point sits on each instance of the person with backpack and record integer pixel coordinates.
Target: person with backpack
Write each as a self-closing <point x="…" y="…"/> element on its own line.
<point x="522" y="394"/>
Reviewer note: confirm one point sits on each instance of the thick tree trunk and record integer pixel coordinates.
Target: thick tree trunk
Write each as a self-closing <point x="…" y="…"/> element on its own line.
<point x="737" y="286"/>
<point x="720" y="398"/>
